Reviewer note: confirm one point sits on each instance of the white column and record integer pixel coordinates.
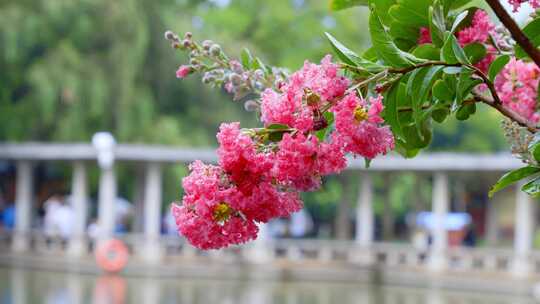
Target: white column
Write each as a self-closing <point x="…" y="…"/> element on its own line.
<point x="152" y="212"/>
<point x="437" y="258"/>
<point x="364" y="212"/>
<point x="79" y="201"/>
<point x="104" y="144"/>
<point x="492" y="225"/>
<point x="23" y="206"/>
<point x="106" y="203"/>
<point x="364" y="221"/>
<point x="523" y="233"/>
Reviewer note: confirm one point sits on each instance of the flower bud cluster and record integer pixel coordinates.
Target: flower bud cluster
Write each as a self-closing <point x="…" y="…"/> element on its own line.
<point x="519" y="139"/>
<point x="208" y="59"/>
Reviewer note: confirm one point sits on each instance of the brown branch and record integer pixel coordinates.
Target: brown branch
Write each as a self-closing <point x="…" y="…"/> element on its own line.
<point x="515" y="31"/>
<point x="507" y="112"/>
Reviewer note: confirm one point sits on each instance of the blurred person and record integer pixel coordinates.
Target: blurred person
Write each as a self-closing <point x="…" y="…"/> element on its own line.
<point x="169" y="224"/>
<point x="58" y="219"/>
<point x="123" y="213"/>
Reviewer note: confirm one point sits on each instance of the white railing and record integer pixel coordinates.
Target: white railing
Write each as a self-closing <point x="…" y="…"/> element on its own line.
<point x="297" y="251"/>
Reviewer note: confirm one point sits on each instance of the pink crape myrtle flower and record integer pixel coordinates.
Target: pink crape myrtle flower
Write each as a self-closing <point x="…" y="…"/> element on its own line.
<point x="238" y="157"/>
<point x="289" y="106"/>
<point x="359" y="126"/>
<point x="424" y="36"/>
<point x="267" y="202"/>
<point x="205" y="233"/>
<point x="183" y="71"/>
<point x="479" y="31"/>
<point x="517" y="86"/>
<point x="296" y="162"/>
<point x="207" y="217"/>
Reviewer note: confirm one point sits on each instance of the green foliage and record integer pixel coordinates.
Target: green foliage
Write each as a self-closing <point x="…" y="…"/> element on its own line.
<point x="532" y="31"/>
<point x="517" y="175"/>
<point x="497" y="65"/>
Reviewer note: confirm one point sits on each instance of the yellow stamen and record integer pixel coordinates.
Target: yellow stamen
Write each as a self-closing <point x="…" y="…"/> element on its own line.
<point x="360" y="114"/>
<point x="222" y="212"/>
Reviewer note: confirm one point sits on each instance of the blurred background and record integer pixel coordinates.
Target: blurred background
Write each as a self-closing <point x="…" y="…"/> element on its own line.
<point x="69" y="69"/>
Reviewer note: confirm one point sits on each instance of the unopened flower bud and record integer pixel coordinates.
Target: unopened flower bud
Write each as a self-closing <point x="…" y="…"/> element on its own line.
<point x="186" y="43"/>
<point x="176" y="45"/>
<point x="251" y="105"/>
<point x="169" y="35"/>
<point x="215" y="50"/>
<point x="188" y="35"/>
<point x="194" y="61"/>
<point x="207" y="44"/>
<point x="320" y="123"/>
<point x="235" y="78"/>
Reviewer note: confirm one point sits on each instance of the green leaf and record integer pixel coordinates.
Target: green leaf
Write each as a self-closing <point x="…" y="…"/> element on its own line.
<point x="475" y="52"/>
<point x="452" y="70"/>
<point x="437" y="26"/>
<point x="532" y="188"/>
<point x="408" y="16"/>
<point x="465" y="111"/>
<point x="532" y="31"/>
<point x="439" y="115"/>
<point x="277" y="126"/>
<point x="452" y="52"/>
<point x="427" y="51"/>
<point x="344" y="53"/>
<point x="383" y="7"/>
<point x="496" y="66"/>
<point x="512" y="177"/>
<point x="391" y="111"/>
<point x="535" y="150"/>
<point x="442" y="92"/>
<point x="458" y="20"/>
<point x="337" y="5"/>
<point x="246" y="58"/>
<point x="386" y="49"/>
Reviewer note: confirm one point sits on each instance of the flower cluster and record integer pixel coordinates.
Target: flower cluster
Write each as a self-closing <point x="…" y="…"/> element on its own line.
<point x="517" y="86"/>
<point x="261" y="171"/>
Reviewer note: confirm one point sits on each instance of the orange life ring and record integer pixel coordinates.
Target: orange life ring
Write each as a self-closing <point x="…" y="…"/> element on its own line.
<point x="112" y="255"/>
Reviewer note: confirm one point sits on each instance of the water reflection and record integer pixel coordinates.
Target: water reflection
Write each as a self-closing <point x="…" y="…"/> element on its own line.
<point x="25" y="287"/>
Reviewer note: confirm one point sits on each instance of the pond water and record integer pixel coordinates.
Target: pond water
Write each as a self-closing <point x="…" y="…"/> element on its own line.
<point x="22" y="286"/>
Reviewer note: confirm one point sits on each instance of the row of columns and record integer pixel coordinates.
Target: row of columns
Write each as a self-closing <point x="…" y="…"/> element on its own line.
<point x="150" y="249"/>
<point x="77" y="246"/>
<point x="437" y="261"/>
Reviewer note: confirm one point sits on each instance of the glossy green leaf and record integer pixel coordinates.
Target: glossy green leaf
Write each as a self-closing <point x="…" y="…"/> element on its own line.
<point x="277" y="126"/>
<point x="437" y="24"/>
<point x="442" y="92"/>
<point x="427" y="51"/>
<point x="512" y="177"/>
<point x="439" y="115"/>
<point x="343" y="52"/>
<point x="391" y="110"/>
<point x="475" y="52"/>
<point x="496" y="66"/>
<point x="458" y="20"/>
<point x="465" y="111"/>
<point x="386" y="49"/>
<point x="337" y="5"/>
<point x="532" y="188"/>
<point x="532" y="31"/>
<point x="383" y="7"/>
<point x="246" y="58"/>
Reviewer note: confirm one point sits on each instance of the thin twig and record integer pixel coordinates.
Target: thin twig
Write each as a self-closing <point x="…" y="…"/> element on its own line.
<point x="515" y="31"/>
